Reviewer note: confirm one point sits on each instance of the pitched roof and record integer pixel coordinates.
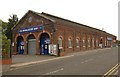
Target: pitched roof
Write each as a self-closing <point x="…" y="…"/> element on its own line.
<point x="43" y="16"/>
<point x="39" y="14"/>
<point x="56" y="18"/>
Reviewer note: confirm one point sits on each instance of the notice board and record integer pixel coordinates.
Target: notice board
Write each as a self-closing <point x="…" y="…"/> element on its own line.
<point x="53" y="49"/>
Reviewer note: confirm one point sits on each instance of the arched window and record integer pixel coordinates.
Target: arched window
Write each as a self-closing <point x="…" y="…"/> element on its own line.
<point x="69" y="43"/>
<point x="96" y="43"/>
<point x="83" y="41"/>
<point x="93" y="42"/>
<point x="105" y="42"/>
<point x="77" y="43"/>
<point x="88" y="42"/>
<point x="60" y="42"/>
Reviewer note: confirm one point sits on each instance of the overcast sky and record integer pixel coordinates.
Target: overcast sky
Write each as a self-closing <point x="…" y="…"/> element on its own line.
<point x="95" y="13"/>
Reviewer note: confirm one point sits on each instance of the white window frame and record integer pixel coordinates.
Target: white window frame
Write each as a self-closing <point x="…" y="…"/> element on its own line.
<point x="93" y="42"/>
<point x="69" y="43"/>
<point x="88" y="42"/>
<point x="60" y="42"/>
<point x="83" y="42"/>
<point x="105" y="42"/>
<point x="77" y="43"/>
<point x="97" y="43"/>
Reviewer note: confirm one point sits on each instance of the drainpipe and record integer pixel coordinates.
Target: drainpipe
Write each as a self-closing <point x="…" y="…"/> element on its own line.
<point x="53" y="31"/>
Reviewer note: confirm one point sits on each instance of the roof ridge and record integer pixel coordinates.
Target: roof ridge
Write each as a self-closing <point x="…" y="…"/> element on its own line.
<point x="71" y="21"/>
<point x="45" y="15"/>
<point x="40" y="14"/>
<point x="34" y="13"/>
<point x="75" y="22"/>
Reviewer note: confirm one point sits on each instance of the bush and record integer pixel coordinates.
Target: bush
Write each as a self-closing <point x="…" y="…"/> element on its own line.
<point x="5" y="47"/>
<point x="4" y="42"/>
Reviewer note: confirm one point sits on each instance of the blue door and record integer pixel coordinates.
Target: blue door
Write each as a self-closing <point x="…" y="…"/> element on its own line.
<point x="44" y="44"/>
<point x="46" y="49"/>
<point x="20" y="45"/>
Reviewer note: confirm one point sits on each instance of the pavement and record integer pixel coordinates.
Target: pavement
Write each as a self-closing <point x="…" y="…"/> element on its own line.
<point x="24" y="60"/>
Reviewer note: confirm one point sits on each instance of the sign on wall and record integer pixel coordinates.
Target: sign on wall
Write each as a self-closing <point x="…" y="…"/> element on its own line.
<point x="32" y="29"/>
<point x="22" y="43"/>
<point x="47" y="41"/>
<point x="109" y="38"/>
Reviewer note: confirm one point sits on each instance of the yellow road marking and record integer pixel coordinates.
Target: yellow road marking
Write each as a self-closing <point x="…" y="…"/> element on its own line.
<point x="111" y="70"/>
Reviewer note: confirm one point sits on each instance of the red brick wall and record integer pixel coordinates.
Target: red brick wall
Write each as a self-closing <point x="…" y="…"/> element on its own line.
<point x="63" y="30"/>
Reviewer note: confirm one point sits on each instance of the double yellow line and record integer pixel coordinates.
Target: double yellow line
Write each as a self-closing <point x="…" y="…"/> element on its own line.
<point x="111" y="71"/>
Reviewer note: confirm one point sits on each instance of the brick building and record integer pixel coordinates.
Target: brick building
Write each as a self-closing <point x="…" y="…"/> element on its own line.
<point x="35" y="31"/>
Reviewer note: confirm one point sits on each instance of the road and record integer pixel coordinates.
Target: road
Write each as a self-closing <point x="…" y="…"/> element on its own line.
<point x="93" y="62"/>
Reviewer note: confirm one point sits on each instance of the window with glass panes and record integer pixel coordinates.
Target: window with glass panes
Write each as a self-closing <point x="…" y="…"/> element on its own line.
<point x="69" y="43"/>
<point x="96" y="42"/>
<point x="88" y="42"/>
<point x="83" y="42"/>
<point x="60" y="42"/>
<point x="93" y="42"/>
<point x="77" y="42"/>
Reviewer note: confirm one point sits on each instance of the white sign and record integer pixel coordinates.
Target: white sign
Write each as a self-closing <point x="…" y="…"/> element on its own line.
<point x="100" y="45"/>
<point x="53" y="49"/>
<point x="13" y="44"/>
<point x="108" y="38"/>
<point x="47" y="41"/>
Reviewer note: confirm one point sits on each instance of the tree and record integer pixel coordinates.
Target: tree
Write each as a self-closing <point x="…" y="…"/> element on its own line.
<point x="0" y="38"/>
<point x="5" y="47"/>
<point x="12" y="21"/>
<point x="6" y="35"/>
<point x="4" y="26"/>
<point x="4" y="42"/>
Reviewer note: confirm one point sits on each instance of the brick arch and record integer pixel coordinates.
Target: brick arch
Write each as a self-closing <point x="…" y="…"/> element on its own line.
<point x="27" y="36"/>
<point x="78" y="38"/>
<point x="43" y="32"/>
<point x="70" y="37"/>
<point x="31" y="34"/>
<point x="62" y="39"/>
<point x="38" y="39"/>
<point x="18" y="36"/>
<point x="60" y="36"/>
<point x="72" y="41"/>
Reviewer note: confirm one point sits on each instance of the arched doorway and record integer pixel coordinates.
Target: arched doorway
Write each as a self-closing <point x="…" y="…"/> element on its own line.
<point x="20" y="45"/>
<point x="44" y="43"/>
<point x="31" y="44"/>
